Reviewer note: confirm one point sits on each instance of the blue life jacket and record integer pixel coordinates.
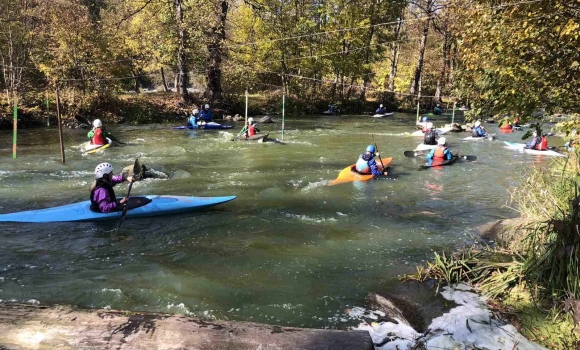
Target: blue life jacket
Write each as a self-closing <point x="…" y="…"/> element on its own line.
<point x="192" y="120"/>
<point x="381" y="110"/>
<point x="478" y="132"/>
<point x="205" y="115"/>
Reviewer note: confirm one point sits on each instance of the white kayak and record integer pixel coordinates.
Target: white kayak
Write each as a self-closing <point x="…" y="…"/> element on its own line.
<point x="471" y="138"/>
<point x="382" y="115"/>
<point x="440" y="131"/>
<point x="87" y="147"/>
<point x="424" y="147"/>
<point x="520" y="147"/>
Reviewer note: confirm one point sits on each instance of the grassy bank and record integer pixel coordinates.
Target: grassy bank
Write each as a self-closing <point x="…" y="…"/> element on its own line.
<point x="532" y="273"/>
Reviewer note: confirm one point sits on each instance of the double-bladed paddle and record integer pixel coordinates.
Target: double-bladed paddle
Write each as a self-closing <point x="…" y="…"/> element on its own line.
<point x="377" y="149"/>
<point x="136" y="169"/>
<point x="412" y="154"/>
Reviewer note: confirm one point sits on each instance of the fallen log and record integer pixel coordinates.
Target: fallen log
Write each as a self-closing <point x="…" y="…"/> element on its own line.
<point x="24" y="326"/>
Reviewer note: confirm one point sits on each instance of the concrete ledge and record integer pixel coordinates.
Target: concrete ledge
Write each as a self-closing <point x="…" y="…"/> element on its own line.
<point x="24" y="326"/>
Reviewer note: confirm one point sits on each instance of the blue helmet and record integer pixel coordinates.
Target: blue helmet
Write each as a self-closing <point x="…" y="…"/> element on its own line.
<point x="371" y="149"/>
<point x="425" y="119"/>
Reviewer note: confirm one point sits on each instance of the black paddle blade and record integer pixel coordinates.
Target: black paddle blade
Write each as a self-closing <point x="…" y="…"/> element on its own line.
<point x="468" y="158"/>
<point x="412" y="154"/>
<point x="136" y="167"/>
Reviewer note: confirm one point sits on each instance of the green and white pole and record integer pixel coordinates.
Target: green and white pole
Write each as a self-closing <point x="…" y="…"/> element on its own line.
<point x="15" y="126"/>
<point x="453" y="115"/>
<point x="283" y="100"/>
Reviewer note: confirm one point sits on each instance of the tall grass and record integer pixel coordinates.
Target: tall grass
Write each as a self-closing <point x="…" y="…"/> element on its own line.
<point x="544" y="252"/>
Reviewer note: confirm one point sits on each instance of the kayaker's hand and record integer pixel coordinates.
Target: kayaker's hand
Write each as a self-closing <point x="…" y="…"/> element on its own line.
<point x="377" y="154"/>
<point x="122" y="201"/>
<point x="131" y="179"/>
<point x="385" y="173"/>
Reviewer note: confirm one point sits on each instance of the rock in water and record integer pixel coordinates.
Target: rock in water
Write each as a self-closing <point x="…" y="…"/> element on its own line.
<point x="266" y="119"/>
<point x="145" y="173"/>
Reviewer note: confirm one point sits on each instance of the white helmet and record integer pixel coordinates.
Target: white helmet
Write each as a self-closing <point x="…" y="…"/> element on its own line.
<point x="250" y="120"/>
<point x="441" y="141"/>
<point x="195" y="111"/>
<point x="477" y="123"/>
<point x="97" y="123"/>
<point x="429" y="125"/>
<point x="381" y="105"/>
<point x="103" y="169"/>
<point x="206" y="106"/>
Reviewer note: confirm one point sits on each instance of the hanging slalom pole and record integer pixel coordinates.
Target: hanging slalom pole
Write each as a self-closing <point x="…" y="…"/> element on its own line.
<point x="15" y="125"/>
<point x="417" y="111"/>
<point x="453" y="115"/>
<point x="246" y="114"/>
<point x="283" y="100"/>
<point x="59" y="126"/>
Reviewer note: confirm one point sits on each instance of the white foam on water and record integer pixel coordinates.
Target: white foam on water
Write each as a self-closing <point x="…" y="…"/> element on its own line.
<point x="312" y="185"/>
<point x="310" y="219"/>
<point x="110" y="290"/>
<point x="449" y="331"/>
<point x="33" y="301"/>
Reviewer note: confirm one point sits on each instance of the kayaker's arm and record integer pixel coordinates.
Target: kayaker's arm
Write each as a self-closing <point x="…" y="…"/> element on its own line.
<point x="431" y="154"/>
<point x="375" y="168"/>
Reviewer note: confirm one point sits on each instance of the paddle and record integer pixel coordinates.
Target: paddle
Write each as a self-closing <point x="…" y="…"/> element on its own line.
<point x="412" y="154"/>
<point x="136" y="169"/>
<point x="377" y="149"/>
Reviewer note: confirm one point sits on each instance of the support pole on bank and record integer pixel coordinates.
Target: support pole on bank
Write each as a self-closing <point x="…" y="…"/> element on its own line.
<point x="15" y="136"/>
<point x="59" y="126"/>
<point x="283" y="100"/>
<point x="453" y="115"/>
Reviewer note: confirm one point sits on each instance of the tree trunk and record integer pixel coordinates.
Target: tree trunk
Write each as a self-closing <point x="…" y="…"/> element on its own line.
<point x="441" y="82"/>
<point x="176" y="81"/>
<point x="366" y="78"/>
<point x="419" y="70"/>
<point x="214" y="60"/>
<point x="137" y="85"/>
<point x="394" y="57"/>
<point x="163" y="80"/>
<point x="181" y="61"/>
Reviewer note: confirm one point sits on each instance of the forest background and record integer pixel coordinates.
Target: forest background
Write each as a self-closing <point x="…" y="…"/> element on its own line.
<point x="499" y="57"/>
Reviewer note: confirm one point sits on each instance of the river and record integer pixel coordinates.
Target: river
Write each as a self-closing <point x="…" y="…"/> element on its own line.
<point x="289" y="250"/>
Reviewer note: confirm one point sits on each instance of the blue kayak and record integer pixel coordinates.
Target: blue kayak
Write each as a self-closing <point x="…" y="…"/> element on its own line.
<point x="208" y="126"/>
<point x="146" y="206"/>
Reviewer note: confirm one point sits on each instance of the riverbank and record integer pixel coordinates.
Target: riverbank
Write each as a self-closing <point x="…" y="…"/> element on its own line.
<point x="163" y="107"/>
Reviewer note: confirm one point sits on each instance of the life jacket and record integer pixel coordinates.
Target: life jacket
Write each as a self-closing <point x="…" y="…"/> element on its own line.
<point x="107" y="186"/>
<point x="252" y="130"/>
<point x="430" y="138"/>
<point x="362" y="165"/>
<point x="99" y="137"/>
<point x="543" y="145"/>
<point x="439" y="153"/>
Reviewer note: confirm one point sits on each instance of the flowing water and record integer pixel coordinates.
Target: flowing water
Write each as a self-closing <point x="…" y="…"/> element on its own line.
<point x="289" y="250"/>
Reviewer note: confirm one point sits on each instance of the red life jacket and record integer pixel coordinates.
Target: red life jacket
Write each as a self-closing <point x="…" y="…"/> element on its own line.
<point x="252" y="130"/>
<point x="99" y="137"/>
<point x="439" y="153"/>
<point x="543" y="145"/>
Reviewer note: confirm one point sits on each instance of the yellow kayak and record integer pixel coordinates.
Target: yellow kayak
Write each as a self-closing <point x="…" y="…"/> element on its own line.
<point x="349" y="174"/>
<point x="90" y="148"/>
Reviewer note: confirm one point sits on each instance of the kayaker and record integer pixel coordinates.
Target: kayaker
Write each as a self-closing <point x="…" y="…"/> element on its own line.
<point x="250" y="129"/>
<point x="478" y="130"/>
<point x="381" y="110"/>
<point x="537" y="143"/>
<point x="423" y="124"/>
<point x="103" y="197"/>
<point x="192" y="121"/>
<point x="205" y="114"/>
<point x="431" y="136"/>
<point x="98" y="134"/>
<point x="366" y="163"/>
<point x="427" y="127"/>
<point x="571" y="142"/>
<point x="437" y="110"/>
<point x="441" y="152"/>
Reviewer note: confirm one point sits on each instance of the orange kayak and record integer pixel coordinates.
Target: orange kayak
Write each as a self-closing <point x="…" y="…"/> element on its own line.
<point x="349" y="174"/>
